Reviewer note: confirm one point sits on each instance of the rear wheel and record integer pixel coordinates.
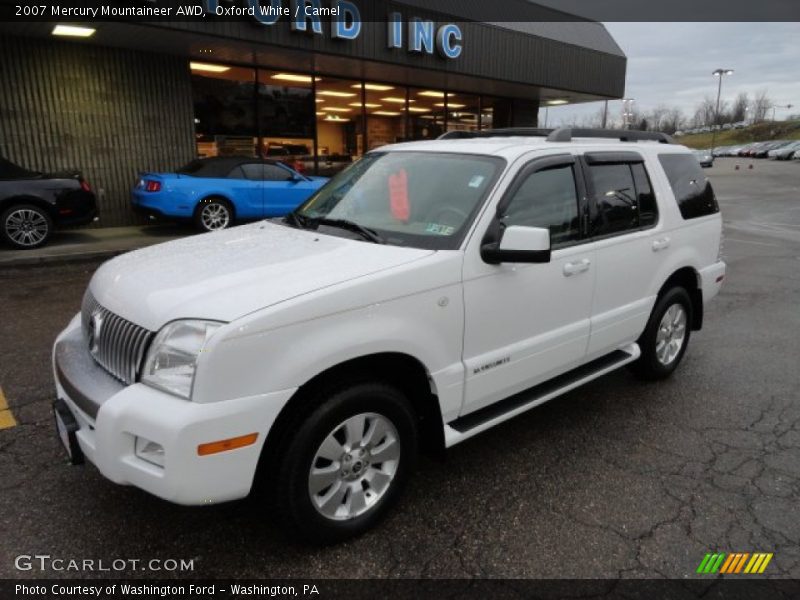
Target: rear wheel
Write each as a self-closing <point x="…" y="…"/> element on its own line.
<point x="26" y="226"/>
<point x="348" y="462"/>
<point x="213" y="214"/>
<point x="666" y="336"/>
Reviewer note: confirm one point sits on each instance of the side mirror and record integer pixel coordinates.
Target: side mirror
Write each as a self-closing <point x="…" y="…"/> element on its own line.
<point x="519" y="244"/>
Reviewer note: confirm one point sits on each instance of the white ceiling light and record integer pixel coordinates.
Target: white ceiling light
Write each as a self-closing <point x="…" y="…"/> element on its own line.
<point x="196" y="66"/>
<point x="334" y="94"/>
<point x="71" y="30"/>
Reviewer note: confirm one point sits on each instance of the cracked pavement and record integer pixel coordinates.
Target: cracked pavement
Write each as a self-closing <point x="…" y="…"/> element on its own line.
<point x="616" y="479"/>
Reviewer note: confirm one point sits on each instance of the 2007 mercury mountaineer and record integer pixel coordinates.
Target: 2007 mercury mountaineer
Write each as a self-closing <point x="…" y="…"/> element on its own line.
<point x="428" y="292"/>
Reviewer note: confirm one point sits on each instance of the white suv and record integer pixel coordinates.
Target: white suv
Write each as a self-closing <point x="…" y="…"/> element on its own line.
<point x="427" y="293"/>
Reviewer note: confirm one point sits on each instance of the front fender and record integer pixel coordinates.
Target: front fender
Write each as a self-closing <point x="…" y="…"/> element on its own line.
<point x="427" y="325"/>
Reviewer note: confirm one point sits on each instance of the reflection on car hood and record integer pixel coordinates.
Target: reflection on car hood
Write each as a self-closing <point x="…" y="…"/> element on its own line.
<point x="228" y="274"/>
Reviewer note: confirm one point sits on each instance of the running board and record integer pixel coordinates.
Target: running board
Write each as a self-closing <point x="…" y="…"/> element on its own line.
<point x="473" y="423"/>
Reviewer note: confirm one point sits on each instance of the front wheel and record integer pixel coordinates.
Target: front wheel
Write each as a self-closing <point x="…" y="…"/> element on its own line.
<point x="348" y="462"/>
<point x="26" y="226"/>
<point x="213" y="214"/>
<point x="666" y="336"/>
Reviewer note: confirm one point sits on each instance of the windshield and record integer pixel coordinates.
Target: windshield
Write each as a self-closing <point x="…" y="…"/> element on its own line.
<point x="418" y="199"/>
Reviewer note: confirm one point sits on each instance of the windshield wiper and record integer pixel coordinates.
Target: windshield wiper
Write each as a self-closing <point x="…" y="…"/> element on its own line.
<point x="296" y="220"/>
<point x="365" y="232"/>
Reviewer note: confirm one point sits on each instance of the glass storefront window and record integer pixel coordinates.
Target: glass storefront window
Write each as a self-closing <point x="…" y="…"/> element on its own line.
<point x="286" y="118"/>
<point x="318" y="124"/>
<point x="386" y="114"/>
<point x="340" y="125"/>
<point x="224" y="109"/>
<point x="462" y="112"/>
<point x="495" y="113"/>
<point x="426" y="113"/>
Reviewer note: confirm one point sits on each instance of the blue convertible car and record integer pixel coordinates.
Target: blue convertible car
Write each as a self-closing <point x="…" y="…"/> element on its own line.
<point x="215" y="192"/>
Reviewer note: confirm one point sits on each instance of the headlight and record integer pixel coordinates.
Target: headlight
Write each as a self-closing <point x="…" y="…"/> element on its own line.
<point x="173" y="355"/>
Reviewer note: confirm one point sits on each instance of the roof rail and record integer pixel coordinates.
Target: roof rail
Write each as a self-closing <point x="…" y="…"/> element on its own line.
<point x="487" y="133"/>
<point x="565" y="134"/>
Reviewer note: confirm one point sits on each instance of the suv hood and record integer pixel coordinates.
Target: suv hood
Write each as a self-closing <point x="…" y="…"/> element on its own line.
<point x="228" y="274"/>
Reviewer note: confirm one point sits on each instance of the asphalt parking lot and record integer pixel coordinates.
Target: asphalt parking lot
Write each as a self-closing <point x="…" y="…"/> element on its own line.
<point x="616" y="479"/>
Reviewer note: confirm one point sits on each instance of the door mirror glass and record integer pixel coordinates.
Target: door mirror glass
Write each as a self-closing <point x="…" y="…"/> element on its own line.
<point x="519" y="244"/>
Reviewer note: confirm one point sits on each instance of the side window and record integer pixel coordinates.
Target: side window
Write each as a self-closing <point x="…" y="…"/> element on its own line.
<point x="237" y="173"/>
<point x="253" y="171"/>
<point x="616" y="210"/>
<point x="648" y="209"/>
<point x="276" y="173"/>
<point x="692" y="190"/>
<point x="547" y="198"/>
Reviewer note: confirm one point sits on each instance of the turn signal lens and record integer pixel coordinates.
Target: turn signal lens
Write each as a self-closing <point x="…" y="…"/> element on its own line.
<point x="152" y="186"/>
<point x="225" y="445"/>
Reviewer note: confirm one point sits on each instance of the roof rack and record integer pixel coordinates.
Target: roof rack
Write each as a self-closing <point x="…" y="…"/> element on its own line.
<point x="487" y="133"/>
<point x="565" y="134"/>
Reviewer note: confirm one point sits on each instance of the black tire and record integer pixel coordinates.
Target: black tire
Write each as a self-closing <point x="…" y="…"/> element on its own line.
<point x="648" y="366"/>
<point x="299" y="454"/>
<point x="210" y="206"/>
<point x="25" y="226"/>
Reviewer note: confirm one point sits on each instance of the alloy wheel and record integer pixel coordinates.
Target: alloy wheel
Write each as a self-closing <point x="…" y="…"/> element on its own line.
<point x="215" y="216"/>
<point x="671" y="334"/>
<point x="354" y="466"/>
<point x="26" y="227"/>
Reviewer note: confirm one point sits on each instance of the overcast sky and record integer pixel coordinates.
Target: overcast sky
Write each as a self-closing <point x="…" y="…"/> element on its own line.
<point x="671" y="64"/>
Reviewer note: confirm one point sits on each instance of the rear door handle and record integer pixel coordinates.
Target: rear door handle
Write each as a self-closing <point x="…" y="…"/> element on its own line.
<point x="661" y="244"/>
<point x="573" y="268"/>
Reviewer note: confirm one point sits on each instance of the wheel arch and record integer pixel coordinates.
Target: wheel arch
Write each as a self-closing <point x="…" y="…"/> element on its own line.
<point x="689" y="279"/>
<point x="48" y="207"/>
<point x="402" y="370"/>
<point x="209" y="196"/>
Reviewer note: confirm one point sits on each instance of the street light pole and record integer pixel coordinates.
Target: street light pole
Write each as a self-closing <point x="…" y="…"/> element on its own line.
<point x="718" y="73"/>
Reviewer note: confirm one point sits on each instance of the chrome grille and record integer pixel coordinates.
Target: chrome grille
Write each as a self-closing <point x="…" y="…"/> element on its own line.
<point x="115" y="344"/>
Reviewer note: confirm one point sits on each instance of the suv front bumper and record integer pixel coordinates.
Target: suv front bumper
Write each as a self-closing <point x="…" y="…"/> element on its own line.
<point x="110" y="416"/>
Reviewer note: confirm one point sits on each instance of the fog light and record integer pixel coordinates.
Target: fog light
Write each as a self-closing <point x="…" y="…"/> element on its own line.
<point x="150" y="452"/>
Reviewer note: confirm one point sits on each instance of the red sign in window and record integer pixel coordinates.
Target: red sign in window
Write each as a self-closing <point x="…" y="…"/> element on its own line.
<point x="398" y="195"/>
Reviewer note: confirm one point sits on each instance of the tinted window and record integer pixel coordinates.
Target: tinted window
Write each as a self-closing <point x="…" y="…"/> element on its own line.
<point x="276" y="173"/>
<point x="692" y="190"/>
<point x="237" y="173"/>
<point x="615" y="199"/>
<point x="253" y="171"/>
<point x="548" y="199"/>
<point x="648" y="209"/>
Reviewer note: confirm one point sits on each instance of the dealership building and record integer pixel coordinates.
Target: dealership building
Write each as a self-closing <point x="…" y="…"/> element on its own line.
<point x="114" y="98"/>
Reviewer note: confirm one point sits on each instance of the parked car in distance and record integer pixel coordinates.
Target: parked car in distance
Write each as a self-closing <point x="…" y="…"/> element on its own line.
<point x="33" y="204"/>
<point x="426" y="294"/>
<point x="785" y="152"/>
<point x="704" y="157"/>
<point x="216" y="192"/>
<point x="762" y="151"/>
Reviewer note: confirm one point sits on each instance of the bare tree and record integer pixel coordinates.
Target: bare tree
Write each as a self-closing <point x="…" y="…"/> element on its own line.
<point x="705" y="113"/>
<point x="672" y="121"/>
<point x="761" y="105"/>
<point x="739" y="108"/>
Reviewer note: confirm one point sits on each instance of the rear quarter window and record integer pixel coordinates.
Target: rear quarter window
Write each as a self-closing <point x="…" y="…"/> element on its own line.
<point x="693" y="191"/>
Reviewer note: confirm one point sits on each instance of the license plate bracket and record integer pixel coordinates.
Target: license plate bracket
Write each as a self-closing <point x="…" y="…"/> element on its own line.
<point x="67" y="427"/>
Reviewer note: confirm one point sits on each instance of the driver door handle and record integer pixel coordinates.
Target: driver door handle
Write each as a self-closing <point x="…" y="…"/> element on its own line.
<point x="661" y="244"/>
<point x="573" y="268"/>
